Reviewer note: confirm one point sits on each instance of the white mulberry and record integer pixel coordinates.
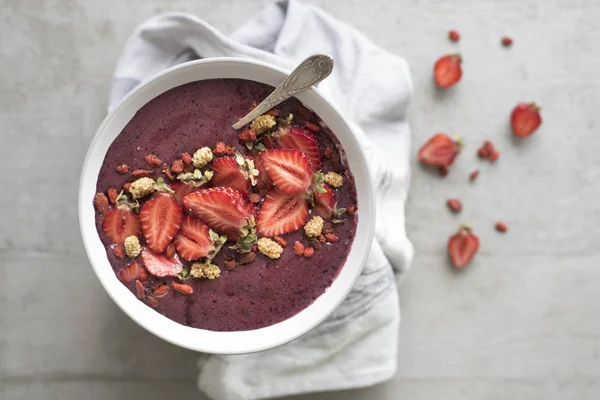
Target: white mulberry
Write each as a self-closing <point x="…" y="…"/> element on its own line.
<point x="262" y="124"/>
<point x="202" y="157"/>
<point x="334" y="179"/>
<point x="314" y="227"/>
<point x="132" y="246"/>
<point x="205" y="270"/>
<point x="269" y="248"/>
<point x="142" y="188"/>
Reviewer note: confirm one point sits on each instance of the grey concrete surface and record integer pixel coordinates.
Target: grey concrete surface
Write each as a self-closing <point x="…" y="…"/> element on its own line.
<point x="523" y="322"/>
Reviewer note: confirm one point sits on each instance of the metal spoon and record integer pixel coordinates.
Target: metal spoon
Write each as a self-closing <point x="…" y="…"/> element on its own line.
<point x="310" y="72"/>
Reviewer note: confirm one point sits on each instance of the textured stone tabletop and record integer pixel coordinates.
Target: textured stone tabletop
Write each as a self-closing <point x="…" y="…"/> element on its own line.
<point x="523" y="322"/>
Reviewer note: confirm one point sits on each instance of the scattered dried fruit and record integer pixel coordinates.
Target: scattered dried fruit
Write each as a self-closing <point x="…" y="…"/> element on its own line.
<point x="501" y="226"/>
<point x="322" y="238"/>
<point x="186" y="158"/>
<point x="462" y="246"/>
<point x="298" y="248"/>
<point x="160" y="291"/>
<point x="129" y="273"/>
<point x="112" y="195"/>
<point x="127" y="186"/>
<point x="351" y="210"/>
<point x="267" y="141"/>
<point x="331" y="237"/>
<point x="247" y="135"/>
<point x="183" y="288"/>
<point x="101" y="203"/>
<point x="229" y="265"/>
<point x="223" y="150"/>
<point x="473" y="175"/>
<point x="454" y="35"/>
<point x="152" y="160"/>
<point x="152" y="302"/>
<point x="312" y="126"/>
<point x="440" y="150"/>
<point x="274" y="113"/>
<point x="168" y="173"/>
<point x="454" y="205"/>
<point x="327" y="151"/>
<point x="281" y="241"/>
<point x="140" y="173"/>
<point x="247" y="258"/>
<point x="494" y="156"/>
<point x="525" y="119"/>
<point x="119" y="251"/>
<point x="139" y="289"/>
<point x="123" y="168"/>
<point x="507" y="41"/>
<point x="309" y="252"/>
<point x="177" y="166"/>
<point x="447" y="70"/>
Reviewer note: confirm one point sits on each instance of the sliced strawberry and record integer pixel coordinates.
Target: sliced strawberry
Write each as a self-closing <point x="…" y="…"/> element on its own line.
<point x="262" y="180"/>
<point x="525" y="119"/>
<point x="301" y="139"/>
<point x="281" y="213"/>
<point x="182" y="189"/>
<point x="159" y="265"/>
<point x="439" y="151"/>
<point x="161" y="218"/>
<point x="193" y="242"/>
<point x="462" y="246"/>
<point x="227" y="173"/>
<point x="324" y="202"/>
<point x="119" y="223"/>
<point x="288" y="169"/>
<point x="129" y="273"/>
<point x="447" y="70"/>
<point x="223" y="209"/>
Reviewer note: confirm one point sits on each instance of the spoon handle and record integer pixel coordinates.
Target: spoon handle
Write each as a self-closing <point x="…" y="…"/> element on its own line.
<point x="310" y="72"/>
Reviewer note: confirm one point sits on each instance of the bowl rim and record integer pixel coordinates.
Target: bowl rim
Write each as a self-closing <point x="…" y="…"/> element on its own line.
<point x="235" y="342"/>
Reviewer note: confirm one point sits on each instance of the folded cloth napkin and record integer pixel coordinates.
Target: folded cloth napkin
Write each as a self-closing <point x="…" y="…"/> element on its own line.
<point x="357" y="345"/>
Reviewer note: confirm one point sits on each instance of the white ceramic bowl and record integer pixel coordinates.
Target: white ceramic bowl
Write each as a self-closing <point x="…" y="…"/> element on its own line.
<point x="199" y="339"/>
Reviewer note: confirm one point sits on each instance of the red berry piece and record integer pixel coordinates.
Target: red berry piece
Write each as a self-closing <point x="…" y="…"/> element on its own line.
<point x="193" y="240"/>
<point x="159" y="265"/>
<point x="525" y="119"/>
<point x="473" y="175"/>
<point x="281" y="213"/>
<point x="453" y="35"/>
<point x="507" y="41"/>
<point x="454" y="204"/>
<point x="462" y="246"/>
<point x="224" y="210"/>
<point x="439" y="151"/>
<point x="501" y="226"/>
<point x="289" y="170"/>
<point x="303" y="140"/>
<point x="447" y="70"/>
<point x="161" y="219"/>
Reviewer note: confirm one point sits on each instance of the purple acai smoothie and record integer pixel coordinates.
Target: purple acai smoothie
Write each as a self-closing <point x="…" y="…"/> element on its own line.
<point x="244" y="296"/>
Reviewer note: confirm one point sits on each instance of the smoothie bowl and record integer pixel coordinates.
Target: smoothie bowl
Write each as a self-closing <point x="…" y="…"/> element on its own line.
<point x="218" y="240"/>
